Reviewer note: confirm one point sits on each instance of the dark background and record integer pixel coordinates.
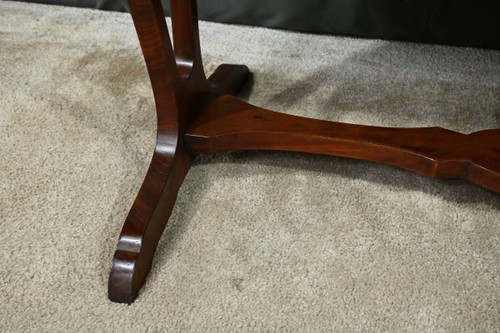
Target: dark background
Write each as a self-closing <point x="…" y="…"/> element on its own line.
<point x="464" y="23"/>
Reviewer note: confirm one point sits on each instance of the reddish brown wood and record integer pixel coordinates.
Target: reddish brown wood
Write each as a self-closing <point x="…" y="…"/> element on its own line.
<point x="179" y="86"/>
<point x="226" y="123"/>
<point x="196" y="115"/>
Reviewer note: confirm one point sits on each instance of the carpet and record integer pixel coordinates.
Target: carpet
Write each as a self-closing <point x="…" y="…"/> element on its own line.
<point x="257" y="241"/>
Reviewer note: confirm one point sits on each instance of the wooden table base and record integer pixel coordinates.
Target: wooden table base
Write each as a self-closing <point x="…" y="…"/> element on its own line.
<point x="201" y="116"/>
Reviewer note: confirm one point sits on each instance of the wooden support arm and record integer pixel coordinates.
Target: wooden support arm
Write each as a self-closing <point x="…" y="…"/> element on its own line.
<point x="226" y="123"/>
<point x="199" y="116"/>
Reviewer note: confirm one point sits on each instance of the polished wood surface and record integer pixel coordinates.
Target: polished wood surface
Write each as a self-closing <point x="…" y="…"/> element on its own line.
<point x="196" y="115"/>
<point x="179" y="85"/>
<point x="226" y="123"/>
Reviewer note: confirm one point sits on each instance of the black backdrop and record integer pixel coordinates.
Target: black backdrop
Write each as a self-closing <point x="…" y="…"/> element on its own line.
<point x="464" y="23"/>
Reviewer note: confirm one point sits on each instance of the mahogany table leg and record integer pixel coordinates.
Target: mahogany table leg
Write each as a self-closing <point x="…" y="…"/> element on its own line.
<point x="198" y="115"/>
<point x="226" y="123"/>
<point x="179" y="87"/>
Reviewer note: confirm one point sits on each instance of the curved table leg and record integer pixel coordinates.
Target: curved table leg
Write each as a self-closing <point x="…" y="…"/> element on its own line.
<point x="144" y="225"/>
<point x="154" y="203"/>
<point x="179" y="87"/>
<point x="196" y="115"/>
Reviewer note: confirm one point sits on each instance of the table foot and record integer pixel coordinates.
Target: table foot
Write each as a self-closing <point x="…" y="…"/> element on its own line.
<point x="196" y="115"/>
<point x="145" y="224"/>
<point x="228" y="79"/>
<point x="179" y="88"/>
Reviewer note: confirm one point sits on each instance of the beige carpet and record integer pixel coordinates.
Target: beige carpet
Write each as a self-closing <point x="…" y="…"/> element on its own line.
<point x="257" y="241"/>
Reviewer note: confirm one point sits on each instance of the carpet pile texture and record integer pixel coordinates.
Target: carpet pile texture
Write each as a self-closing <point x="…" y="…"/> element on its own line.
<point x="258" y="241"/>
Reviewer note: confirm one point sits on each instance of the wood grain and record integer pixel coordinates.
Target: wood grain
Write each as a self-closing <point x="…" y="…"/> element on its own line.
<point x="179" y="85"/>
<point x="196" y="115"/>
<point x="226" y="123"/>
